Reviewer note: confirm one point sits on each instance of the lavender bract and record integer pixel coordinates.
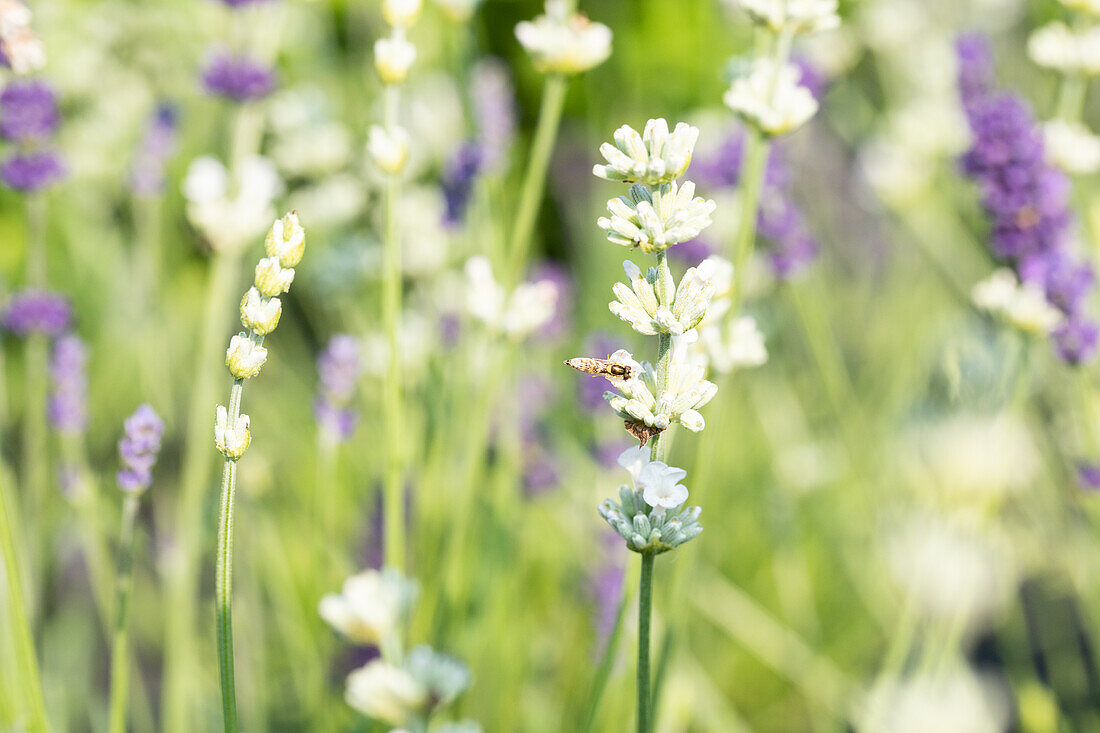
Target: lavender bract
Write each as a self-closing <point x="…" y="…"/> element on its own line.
<point x="67" y="410"/>
<point x="1026" y="199"/>
<point x="238" y="77"/>
<point x="37" y="312"/>
<point x="138" y="448"/>
<point x="28" y="111"/>
<point x="32" y="171"/>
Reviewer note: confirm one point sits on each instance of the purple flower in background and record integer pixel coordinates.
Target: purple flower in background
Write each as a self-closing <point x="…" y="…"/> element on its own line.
<point x="1076" y="339"/>
<point x="494" y="110"/>
<point x="541" y="473"/>
<point x="459" y="177"/>
<point x="32" y="171"/>
<point x="559" y="324"/>
<point x="339" y="367"/>
<point x="1026" y="200"/>
<point x="158" y="145"/>
<point x="607" y="453"/>
<point x="28" y="111"/>
<point x="66" y="409"/>
<point x="1088" y="476"/>
<point x="811" y="77"/>
<point x="37" y="311"/>
<point x="779" y="221"/>
<point x="606" y="587"/>
<point x="242" y="3"/>
<point x="692" y="252"/>
<point x="238" y="77"/>
<point x="450" y="329"/>
<point x="138" y="448"/>
<point x="590" y="388"/>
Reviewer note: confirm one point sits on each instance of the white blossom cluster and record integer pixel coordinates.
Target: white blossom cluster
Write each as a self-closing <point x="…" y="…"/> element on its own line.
<point x="652" y="304"/>
<point x="517" y="314"/>
<point x="402" y="690"/>
<point x="229" y="216"/>
<point x="1023" y="305"/>
<point x="388" y="146"/>
<point x="18" y="42"/>
<point x="769" y="97"/>
<point x="639" y="398"/>
<point x="792" y="16"/>
<point x="1070" y="51"/>
<point x="656" y="156"/>
<point x="563" y="42"/>
<point x="1071" y="146"/>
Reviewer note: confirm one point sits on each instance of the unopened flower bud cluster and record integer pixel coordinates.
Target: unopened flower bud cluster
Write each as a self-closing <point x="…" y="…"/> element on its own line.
<point x="260" y="312"/>
<point x="388" y="145"/>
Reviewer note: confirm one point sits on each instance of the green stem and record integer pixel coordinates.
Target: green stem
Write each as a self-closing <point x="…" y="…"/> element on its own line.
<point x="645" y="604"/>
<point x="534" y="180"/>
<point x="1071" y="97"/>
<point x="120" y="645"/>
<point x="197" y="464"/>
<point x="223" y="590"/>
<point x="26" y="658"/>
<point x="393" y="501"/>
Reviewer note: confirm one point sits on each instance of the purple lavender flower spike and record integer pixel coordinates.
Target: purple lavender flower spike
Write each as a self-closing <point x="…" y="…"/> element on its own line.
<point x="541" y="473"/>
<point x="238" y="77"/>
<point x="66" y="409"/>
<point x="138" y="448"/>
<point x="158" y="145"/>
<point x="1026" y="200"/>
<point x="28" y="111"/>
<point x="339" y="367"/>
<point x="692" y="252"/>
<point x="606" y="585"/>
<point x="811" y="77"/>
<point x="37" y="312"/>
<point x="458" y="181"/>
<point x="242" y="3"/>
<point x="32" y="171"/>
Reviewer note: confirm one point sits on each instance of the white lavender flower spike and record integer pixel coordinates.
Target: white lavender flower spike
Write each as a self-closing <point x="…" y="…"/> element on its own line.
<point x="561" y="42"/>
<point x="658" y="218"/>
<point x="517" y="314"/>
<point x="1071" y="147"/>
<point x="651" y="307"/>
<point x="271" y="278"/>
<point x="733" y="344"/>
<point x="687" y="392"/>
<point x="770" y="98"/>
<point x="286" y="240"/>
<point x="654" y="157"/>
<point x="793" y="16"/>
<point x="1023" y="305"/>
<point x="646" y="514"/>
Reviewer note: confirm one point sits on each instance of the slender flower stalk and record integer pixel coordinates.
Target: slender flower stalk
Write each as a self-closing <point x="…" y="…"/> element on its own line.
<point x="138" y="450"/>
<point x="388" y="147"/>
<point x="245" y="357"/>
<point x="25" y="656"/>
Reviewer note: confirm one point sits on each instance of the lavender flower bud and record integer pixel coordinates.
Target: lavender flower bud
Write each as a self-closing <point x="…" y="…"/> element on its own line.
<point x="158" y="145"/>
<point x="271" y="278"/>
<point x="339" y="366"/>
<point x="231" y="440"/>
<point x="138" y="448"/>
<point x="286" y="240"/>
<point x="259" y="313"/>
<point x="244" y="357"/>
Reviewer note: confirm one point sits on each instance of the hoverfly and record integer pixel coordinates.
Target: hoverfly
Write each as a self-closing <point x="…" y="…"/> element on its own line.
<point x="601" y="367"/>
